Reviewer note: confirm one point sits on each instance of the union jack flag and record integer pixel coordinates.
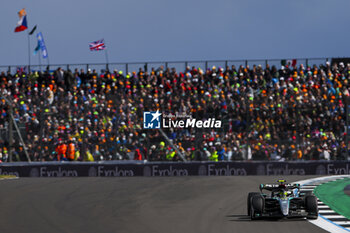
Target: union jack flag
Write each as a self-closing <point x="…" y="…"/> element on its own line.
<point x="97" y="45"/>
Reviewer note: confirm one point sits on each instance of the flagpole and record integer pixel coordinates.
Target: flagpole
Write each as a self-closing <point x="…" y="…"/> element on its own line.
<point x="48" y="59"/>
<point x="106" y="59"/>
<point x="39" y="59"/>
<point x="28" y="53"/>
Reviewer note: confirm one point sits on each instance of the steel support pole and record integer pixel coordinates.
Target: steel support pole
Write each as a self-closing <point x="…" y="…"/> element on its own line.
<point x="173" y="146"/>
<point x="347" y="122"/>
<point x="10" y="133"/>
<point x="20" y="138"/>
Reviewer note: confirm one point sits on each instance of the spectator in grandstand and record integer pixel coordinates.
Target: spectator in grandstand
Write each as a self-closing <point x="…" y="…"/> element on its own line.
<point x="291" y="113"/>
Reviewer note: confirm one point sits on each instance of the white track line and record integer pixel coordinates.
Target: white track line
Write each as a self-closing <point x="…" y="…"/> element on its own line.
<point x="10" y="178"/>
<point x="333" y="216"/>
<point x="342" y="222"/>
<point x="330" y="211"/>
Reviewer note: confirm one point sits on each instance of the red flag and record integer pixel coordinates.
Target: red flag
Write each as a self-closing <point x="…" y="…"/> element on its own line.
<point x="22" y="23"/>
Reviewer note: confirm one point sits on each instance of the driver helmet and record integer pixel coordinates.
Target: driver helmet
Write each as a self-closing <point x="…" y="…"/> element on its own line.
<point x="283" y="193"/>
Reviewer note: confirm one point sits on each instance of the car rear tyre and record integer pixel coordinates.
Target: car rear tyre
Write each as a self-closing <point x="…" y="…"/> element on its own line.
<point x="311" y="207"/>
<point x="249" y="200"/>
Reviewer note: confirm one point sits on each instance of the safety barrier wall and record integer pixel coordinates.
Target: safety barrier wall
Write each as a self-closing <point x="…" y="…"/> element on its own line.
<point x="125" y="169"/>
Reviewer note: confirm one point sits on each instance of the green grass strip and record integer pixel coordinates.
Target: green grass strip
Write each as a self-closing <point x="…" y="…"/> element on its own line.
<point x="7" y="176"/>
<point x="332" y="194"/>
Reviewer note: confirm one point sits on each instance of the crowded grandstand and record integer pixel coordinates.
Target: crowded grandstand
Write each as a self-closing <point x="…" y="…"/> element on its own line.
<point x="289" y="112"/>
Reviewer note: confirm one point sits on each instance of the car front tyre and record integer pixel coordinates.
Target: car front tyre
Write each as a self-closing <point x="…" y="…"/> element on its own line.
<point x="249" y="200"/>
<point x="257" y="206"/>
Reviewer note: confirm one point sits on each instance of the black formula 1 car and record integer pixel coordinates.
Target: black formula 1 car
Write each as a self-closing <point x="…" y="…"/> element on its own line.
<point x="283" y="201"/>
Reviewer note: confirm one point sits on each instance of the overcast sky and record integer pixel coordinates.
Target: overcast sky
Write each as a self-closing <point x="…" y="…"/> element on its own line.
<point x="154" y="30"/>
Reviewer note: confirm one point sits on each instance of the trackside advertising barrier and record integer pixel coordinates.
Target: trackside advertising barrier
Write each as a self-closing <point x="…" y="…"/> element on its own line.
<point x="130" y="168"/>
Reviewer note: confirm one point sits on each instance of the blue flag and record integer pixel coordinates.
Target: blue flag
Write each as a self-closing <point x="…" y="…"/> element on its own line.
<point x="40" y="38"/>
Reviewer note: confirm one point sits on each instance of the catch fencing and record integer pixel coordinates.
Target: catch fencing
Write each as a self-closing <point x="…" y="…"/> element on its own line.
<point x="180" y="66"/>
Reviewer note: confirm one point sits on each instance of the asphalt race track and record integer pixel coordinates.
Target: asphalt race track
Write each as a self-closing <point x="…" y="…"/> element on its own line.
<point x="138" y="204"/>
